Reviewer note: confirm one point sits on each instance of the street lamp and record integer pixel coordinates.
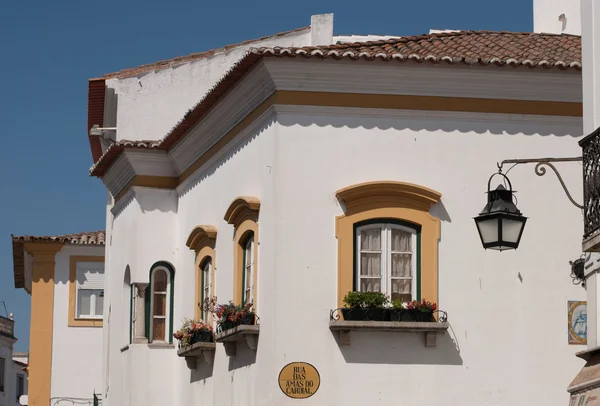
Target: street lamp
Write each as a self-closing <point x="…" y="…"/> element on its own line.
<point x="500" y="224"/>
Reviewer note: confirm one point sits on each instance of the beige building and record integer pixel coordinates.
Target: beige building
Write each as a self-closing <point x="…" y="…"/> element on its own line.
<point x="65" y="277"/>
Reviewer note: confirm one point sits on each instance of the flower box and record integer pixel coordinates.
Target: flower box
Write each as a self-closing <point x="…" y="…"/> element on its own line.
<point x="196" y="339"/>
<point x="409" y="315"/>
<point x="430" y="330"/>
<point x="200" y="350"/>
<point x="242" y="333"/>
<point x="248" y="319"/>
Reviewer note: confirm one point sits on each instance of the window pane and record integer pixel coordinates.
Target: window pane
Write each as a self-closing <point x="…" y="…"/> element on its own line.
<point x="84" y="307"/>
<point x="248" y="277"/>
<point x="370" y="240"/>
<point x="248" y="253"/>
<point x="401" y="289"/>
<point x="206" y="275"/>
<point x="370" y="264"/>
<point x="160" y="281"/>
<point x="401" y="240"/>
<point x="401" y="264"/>
<point x="20" y="386"/>
<point x="2" y="374"/>
<point x="158" y="330"/>
<point x="160" y="304"/>
<point x="370" y="284"/>
<point x="99" y="302"/>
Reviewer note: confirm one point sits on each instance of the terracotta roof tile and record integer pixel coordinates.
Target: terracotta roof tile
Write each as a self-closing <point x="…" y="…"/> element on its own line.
<point x="88" y="238"/>
<point x="462" y="47"/>
<point x="95" y="238"/>
<point x="468" y="47"/>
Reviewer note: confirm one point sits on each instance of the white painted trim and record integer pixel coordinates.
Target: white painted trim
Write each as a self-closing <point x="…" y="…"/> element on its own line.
<point x="584" y="385"/>
<point x="373" y="77"/>
<point x="119" y="175"/>
<point x="151" y="163"/>
<point x="408" y="78"/>
<point x="323" y="111"/>
<point x="246" y="96"/>
<point x="247" y="133"/>
<point x="122" y="204"/>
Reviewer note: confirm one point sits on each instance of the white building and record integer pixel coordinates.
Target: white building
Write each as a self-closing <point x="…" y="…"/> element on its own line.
<point x="283" y="161"/>
<point x="65" y="277"/>
<point x="13" y="374"/>
<point x="20" y="365"/>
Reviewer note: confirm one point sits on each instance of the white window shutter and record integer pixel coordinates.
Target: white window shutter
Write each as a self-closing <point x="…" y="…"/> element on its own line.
<point x="90" y="276"/>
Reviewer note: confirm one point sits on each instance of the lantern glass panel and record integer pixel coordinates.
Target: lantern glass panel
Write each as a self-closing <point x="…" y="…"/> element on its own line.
<point x="488" y="230"/>
<point x="511" y="229"/>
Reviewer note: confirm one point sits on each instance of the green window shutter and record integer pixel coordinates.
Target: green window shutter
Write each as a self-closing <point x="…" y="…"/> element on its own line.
<point x="130" y="314"/>
<point x="148" y="316"/>
<point x="170" y="321"/>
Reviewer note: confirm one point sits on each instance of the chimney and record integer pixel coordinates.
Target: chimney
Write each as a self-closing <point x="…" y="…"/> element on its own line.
<point x="321" y="29"/>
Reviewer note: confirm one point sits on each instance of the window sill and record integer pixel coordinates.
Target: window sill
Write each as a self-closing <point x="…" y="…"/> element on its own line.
<point x="243" y="333"/>
<point x="83" y="322"/>
<point x="430" y="330"/>
<point x="159" y="345"/>
<point x="196" y="351"/>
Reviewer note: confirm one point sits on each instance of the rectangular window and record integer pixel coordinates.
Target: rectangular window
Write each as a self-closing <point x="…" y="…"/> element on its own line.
<point x="206" y="280"/>
<point x="386" y="261"/>
<point x="2" y="372"/>
<point x="248" y="271"/>
<point x="90" y="290"/>
<point x="20" y="386"/>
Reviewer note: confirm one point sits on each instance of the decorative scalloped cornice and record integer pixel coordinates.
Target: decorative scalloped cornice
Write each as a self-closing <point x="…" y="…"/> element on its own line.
<point x="202" y="236"/>
<point x="365" y="196"/>
<point x="242" y="208"/>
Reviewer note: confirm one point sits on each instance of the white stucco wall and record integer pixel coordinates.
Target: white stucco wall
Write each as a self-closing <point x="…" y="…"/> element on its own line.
<point x="76" y="351"/>
<point x="546" y="15"/>
<point x="6" y="397"/>
<point x="508" y="311"/>
<point x="150" y="104"/>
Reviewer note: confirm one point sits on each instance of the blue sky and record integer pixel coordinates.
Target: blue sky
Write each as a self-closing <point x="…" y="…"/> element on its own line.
<point x="48" y="50"/>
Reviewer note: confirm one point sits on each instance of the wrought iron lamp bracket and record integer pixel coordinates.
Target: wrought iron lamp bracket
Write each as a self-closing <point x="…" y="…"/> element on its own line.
<point x="541" y="171"/>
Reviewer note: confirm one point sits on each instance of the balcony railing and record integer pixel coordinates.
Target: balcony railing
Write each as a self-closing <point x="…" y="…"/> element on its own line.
<point x="591" y="183"/>
<point x="7" y="327"/>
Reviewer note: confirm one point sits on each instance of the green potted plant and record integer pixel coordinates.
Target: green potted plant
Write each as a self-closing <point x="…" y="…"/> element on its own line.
<point x="365" y="306"/>
<point x="192" y="332"/>
<point x="400" y="312"/>
<point x="230" y="315"/>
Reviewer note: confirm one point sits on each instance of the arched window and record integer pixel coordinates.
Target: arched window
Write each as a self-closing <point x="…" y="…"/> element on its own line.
<point x="243" y="214"/>
<point x="159" y="301"/>
<point x="387" y="259"/>
<point x="388" y="241"/>
<point x="202" y="240"/>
